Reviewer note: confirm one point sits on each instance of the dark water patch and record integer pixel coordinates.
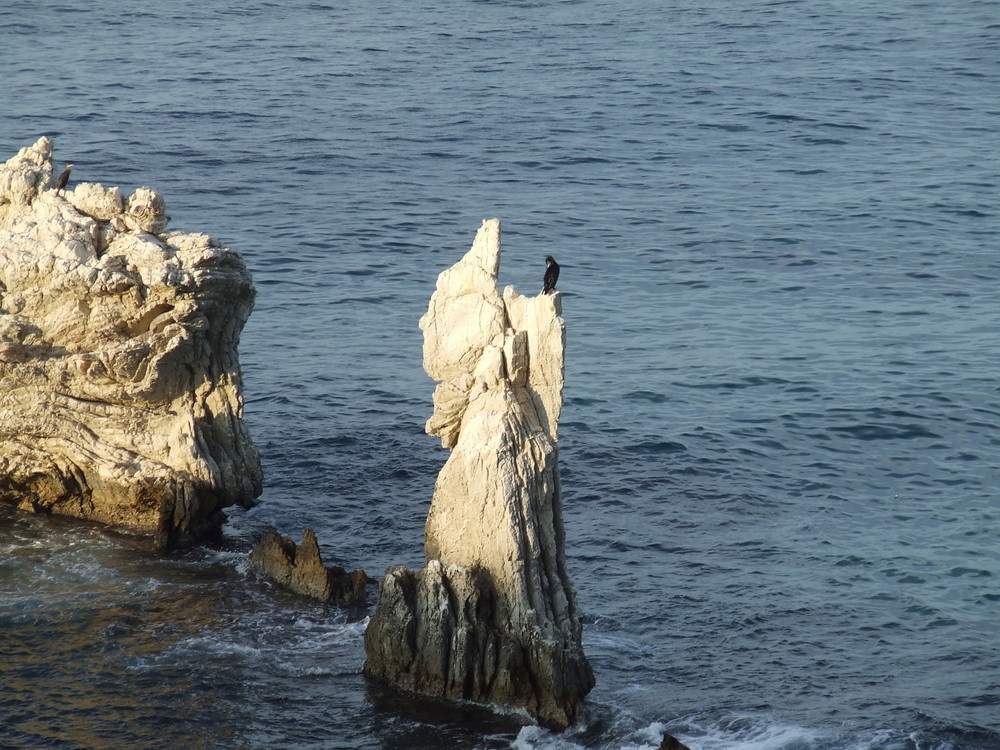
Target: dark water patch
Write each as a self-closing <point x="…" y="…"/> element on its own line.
<point x="885" y="431"/>
<point x="19" y="28"/>
<point x="973" y="572"/>
<point x="728" y="127"/>
<point x="656" y="398"/>
<point x="371" y="300"/>
<point x="843" y="126"/>
<point x="781" y="117"/>
<point x="749" y="382"/>
<point x="582" y="401"/>
<point x="650" y="447"/>
<point x="969" y="212"/>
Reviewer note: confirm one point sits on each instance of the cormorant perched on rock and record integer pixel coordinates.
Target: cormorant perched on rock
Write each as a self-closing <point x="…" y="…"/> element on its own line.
<point x="551" y="274"/>
<point x="63" y="178"/>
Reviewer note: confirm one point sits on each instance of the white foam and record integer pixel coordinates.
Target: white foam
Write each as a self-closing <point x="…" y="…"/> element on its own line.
<point x="750" y="732"/>
<point x="294" y="670"/>
<point x="536" y="738"/>
<point x="652" y="735"/>
<point x="215" y="644"/>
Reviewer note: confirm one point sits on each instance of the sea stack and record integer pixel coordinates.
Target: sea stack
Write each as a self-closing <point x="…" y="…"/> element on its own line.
<point x="492" y="616"/>
<point x="301" y="569"/>
<point x="120" y="387"/>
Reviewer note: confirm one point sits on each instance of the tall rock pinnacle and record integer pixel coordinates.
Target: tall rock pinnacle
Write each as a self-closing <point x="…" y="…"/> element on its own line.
<point x="492" y="616"/>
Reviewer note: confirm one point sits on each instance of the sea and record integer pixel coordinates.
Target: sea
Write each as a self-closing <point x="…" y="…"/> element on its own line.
<point x="779" y="233"/>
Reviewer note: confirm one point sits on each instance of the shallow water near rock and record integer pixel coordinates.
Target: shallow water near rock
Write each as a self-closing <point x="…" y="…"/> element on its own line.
<point x="777" y="228"/>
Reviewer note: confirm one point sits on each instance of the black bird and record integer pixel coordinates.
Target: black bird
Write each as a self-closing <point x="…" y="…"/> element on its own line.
<point x="63" y="178"/>
<point x="551" y="274"/>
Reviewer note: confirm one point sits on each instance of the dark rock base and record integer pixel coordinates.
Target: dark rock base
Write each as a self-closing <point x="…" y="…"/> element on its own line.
<point x="440" y="633"/>
<point x="672" y="743"/>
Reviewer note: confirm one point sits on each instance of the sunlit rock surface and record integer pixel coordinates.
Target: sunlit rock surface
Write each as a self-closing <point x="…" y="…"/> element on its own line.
<point x="492" y="616"/>
<point x="120" y="387"/>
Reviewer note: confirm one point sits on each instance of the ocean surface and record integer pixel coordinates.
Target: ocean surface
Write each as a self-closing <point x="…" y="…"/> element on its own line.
<point x="779" y="233"/>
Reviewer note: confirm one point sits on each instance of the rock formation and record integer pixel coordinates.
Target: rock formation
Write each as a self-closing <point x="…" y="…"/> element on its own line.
<point x="670" y="742"/>
<point x="492" y="616"/>
<point x="301" y="569"/>
<point x="120" y="387"/>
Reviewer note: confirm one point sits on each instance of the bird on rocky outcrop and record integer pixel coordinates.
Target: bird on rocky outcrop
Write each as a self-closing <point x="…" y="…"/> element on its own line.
<point x="551" y="274"/>
<point x="63" y="178"/>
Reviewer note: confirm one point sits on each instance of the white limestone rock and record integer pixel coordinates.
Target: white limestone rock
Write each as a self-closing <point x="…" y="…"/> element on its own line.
<point x="26" y="174"/>
<point x="93" y="199"/>
<point x="493" y="616"/>
<point x="120" y="386"/>
<point x="146" y="212"/>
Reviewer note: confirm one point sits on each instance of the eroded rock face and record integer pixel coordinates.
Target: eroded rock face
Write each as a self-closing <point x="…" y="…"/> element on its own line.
<point x="492" y="616"/>
<point x="120" y="386"/>
<point x="300" y="568"/>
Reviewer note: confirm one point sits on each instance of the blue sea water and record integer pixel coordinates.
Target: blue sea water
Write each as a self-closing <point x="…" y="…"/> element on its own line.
<point x="780" y="449"/>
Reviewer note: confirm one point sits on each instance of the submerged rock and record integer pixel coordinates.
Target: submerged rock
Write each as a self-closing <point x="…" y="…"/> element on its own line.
<point x="301" y="569"/>
<point x="120" y="387"/>
<point x="492" y="616"/>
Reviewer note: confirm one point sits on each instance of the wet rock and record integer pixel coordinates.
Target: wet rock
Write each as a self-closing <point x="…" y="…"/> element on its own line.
<point x="301" y="569"/>
<point x="672" y="743"/>
<point x="492" y="616"/>
<point x="120" y="386"/>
